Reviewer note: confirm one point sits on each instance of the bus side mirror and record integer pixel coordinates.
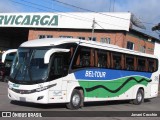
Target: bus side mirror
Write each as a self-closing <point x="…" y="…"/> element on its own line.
<point x="51" y="51"/>
<point x="7" y="52"/>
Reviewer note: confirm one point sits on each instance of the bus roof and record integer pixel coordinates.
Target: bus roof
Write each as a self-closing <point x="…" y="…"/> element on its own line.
<point x="48" y="42"/>
<point x="57" y="41"/>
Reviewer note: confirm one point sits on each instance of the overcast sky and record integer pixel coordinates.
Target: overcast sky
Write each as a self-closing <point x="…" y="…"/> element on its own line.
<point x="148" y="11"/>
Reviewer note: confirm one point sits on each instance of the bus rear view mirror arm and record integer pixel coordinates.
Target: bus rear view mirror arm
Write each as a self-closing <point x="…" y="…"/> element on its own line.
<point x="51" y="51"/>
<point x="7" y="52"/>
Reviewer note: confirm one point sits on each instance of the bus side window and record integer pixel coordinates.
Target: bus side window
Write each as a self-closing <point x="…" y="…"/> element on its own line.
<point x="155" y="64"/>
<point x="76" y="60"/>
<point x="117" y="61"/>
<point x="102" y="58"/>
<point x="82" y="58"/>
<point x="129" y="63"/>
<point x="141" y="64"/>
<point x="152" y="65"/>
<point x="85" y="60"/>
<point x="59" y="65"/>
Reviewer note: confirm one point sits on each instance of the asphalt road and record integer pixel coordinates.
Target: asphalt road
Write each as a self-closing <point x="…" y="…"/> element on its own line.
<point x="149" y="105"/>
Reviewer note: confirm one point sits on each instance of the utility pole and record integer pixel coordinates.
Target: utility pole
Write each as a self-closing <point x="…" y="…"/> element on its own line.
<point x="93" y="26"/>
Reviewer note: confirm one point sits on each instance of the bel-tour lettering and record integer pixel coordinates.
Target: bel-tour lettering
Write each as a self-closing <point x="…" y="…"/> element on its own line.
<point x="95" y="74"/>
<point x="29" y="20"/>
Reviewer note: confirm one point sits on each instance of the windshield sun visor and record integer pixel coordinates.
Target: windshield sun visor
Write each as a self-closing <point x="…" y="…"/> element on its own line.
<point x="50" y="52"/>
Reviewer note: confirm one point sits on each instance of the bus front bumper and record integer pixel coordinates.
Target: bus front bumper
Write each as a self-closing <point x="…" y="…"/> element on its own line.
<point x="37" y="97"/>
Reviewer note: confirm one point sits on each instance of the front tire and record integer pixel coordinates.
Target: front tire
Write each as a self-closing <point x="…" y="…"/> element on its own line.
<point x="139" y="97"/>
<point x="76" y="100"/>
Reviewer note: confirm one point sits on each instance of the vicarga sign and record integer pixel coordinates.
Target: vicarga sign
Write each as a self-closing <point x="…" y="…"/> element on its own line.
<point x="29" y="20"/>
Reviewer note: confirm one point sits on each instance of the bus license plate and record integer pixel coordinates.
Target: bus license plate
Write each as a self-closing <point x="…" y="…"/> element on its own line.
<point x="22" y="99"/>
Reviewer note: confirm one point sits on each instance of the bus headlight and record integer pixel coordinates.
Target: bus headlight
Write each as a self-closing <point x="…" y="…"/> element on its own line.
<point x="41" y="89"/>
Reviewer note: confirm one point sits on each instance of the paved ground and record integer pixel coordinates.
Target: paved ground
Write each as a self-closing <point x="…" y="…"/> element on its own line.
<point x="149" y="105"/>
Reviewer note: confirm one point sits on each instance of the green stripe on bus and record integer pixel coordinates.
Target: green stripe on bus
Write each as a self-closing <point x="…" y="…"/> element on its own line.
<point x="113" y="88"/>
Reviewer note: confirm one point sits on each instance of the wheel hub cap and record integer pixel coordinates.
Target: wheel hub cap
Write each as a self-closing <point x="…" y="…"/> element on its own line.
<point x="75" y="100"/>
<point x="139" y="97"/>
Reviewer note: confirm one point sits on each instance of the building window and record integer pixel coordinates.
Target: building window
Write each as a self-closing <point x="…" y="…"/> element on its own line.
<point x="130" y="45"/>
<point x="81" y="38"/>
<point x="41" y="36"/>
<point x="142" y="49"/>
<point x="45" y="36"/>
<point x="66" y="36"/>
<point x="49" y="36"/>
<point x="105" y="40"/>
<point x="90" y="38"/>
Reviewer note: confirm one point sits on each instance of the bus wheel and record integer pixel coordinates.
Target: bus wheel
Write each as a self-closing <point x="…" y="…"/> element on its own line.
<point x="76" y="100"/>
<point x="139" y="97"/>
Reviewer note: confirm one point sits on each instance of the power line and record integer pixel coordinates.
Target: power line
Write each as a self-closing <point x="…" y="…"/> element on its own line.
<point x="99" y="12"/>
<point x="113" y="4"/>
<point x="78" y="8"/>
<point x="143" y="20"/>
<point x="73" y="16"/>
<point x="148" y="23"/>
<point x="44" y="9"/>
<point x="28" y="5"/>
<point x="110" y="2"/>
<point x="88" y="9"/>
<point x="89" y="20"/>
<point x="80" y="17"/>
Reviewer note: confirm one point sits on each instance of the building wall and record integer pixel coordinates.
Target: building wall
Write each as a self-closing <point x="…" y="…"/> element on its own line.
<point x="115" y="36"/>
<point x="118" y="38"/>
<point x="140" y="41"/>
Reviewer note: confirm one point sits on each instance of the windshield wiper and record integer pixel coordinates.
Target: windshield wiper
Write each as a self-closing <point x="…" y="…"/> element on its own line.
<point x="17" y="71"/>
<point x="29" y="63"/>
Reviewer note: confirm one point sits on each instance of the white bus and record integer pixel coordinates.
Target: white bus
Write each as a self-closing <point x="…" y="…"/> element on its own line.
<point x="73" y="71"/>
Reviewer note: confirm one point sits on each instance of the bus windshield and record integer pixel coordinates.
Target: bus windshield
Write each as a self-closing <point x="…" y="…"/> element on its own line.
<point x="28" y="65"/>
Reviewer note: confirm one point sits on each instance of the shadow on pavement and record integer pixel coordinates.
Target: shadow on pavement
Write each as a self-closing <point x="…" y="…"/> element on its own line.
<point x="60" y="105"/>
<point x="36" y="105"/>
